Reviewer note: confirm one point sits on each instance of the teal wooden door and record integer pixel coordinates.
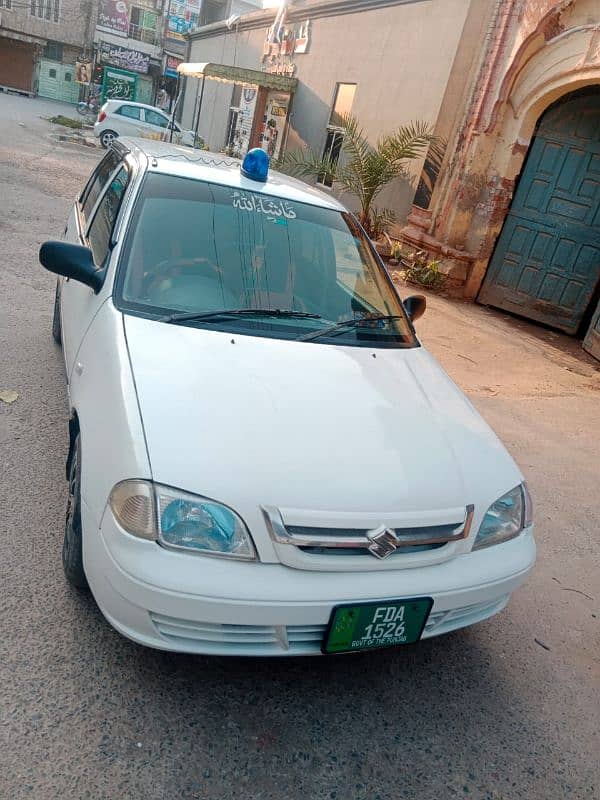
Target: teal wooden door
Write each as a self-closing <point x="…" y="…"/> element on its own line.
<point x="591" y="343"/>
<point x="546" y="264"/>
<point x="57" y="81"/>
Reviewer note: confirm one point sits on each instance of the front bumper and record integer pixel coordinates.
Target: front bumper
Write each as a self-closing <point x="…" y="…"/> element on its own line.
<point x="198" y="604"/>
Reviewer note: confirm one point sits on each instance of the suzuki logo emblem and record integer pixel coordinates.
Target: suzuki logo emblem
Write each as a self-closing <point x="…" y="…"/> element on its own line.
<point x="383" y="541"/>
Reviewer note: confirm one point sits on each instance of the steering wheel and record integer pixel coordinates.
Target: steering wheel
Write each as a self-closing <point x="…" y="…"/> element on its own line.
<point x="170" y="268"/>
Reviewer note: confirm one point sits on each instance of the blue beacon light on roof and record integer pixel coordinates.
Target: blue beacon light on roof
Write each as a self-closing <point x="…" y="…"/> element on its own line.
<point x="256" y="165"/>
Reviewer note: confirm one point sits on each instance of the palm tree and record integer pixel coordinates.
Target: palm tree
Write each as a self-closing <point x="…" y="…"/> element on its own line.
<point x="362" y="169"/>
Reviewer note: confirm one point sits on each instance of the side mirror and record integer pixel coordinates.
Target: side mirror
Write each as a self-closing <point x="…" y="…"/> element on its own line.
<point x="72" y="261"/>
<point x="415" y="306"/>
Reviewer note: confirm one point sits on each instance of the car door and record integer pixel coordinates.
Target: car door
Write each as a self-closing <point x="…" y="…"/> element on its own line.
<point x="87" y="226"/>
<point x="158" y="123"/>
<point x="129" y="120"/>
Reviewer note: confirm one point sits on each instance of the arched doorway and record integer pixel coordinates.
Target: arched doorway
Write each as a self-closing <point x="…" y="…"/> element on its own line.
<point x="546" y="263"/>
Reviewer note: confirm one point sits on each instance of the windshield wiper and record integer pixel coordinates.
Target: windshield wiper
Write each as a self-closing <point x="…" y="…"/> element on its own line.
<point x="347" y="323"/>
<point x="226" y="312"/>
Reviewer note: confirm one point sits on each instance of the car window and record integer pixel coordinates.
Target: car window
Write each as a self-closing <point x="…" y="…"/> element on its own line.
<point x="194" y="247"/>
<point x="154" y="118"/>
<point x="104" y="219"/>
<point x="97" y="182"/>
<point x="129" y="111"/>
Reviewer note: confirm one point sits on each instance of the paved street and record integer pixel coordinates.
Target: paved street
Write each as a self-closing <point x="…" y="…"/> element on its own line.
<point x="505" y="710"/>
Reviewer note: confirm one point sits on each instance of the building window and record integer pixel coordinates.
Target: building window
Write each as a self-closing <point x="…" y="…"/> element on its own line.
<point x="53" y="51"/>
<point x="342" y="105"/>
<point x="6" y="4"/>
<point x="45" y="9"/>
<point x="52" y="73"/>
<point x="143" y="25"/>
<point x="212" y="11"/>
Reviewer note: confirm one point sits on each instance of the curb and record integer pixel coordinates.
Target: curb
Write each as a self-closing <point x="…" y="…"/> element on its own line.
<point x="74" y="138"/>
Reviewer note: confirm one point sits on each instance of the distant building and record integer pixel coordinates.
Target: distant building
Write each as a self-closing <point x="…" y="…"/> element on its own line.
<point x="131" y="46"/>
<point x="511" y="207"/>
<point x="40" y="42"/>
<point x="217" y="10"/>
<point x="182" y="18"/>
<point x="129" y="41"/>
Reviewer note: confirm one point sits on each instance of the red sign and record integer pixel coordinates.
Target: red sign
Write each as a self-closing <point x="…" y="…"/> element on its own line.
<point x="113" y="16"/>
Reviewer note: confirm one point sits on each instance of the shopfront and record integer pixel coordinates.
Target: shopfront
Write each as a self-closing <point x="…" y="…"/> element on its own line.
<point x="169" y="80"/>
<point x="259" y="105"/>
<point x="387" y="63"/>
<point x="125" y="73"/>
<point x="17" y="59"/>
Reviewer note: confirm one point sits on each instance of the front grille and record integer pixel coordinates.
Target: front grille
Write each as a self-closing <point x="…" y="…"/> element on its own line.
<point x="381" y="542"/>
<point x="252" y="639"/>
<point x="349" y="551"/>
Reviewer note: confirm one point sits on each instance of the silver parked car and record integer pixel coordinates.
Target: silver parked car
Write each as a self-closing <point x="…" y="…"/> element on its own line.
<point x="124" y="118"/>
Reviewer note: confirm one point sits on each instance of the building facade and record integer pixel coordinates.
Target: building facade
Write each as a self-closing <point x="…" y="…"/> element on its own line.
<point x="511" y="206"/>
<point x="514" y="213"/>
<point x="128" y="48"/>
<point x="40" y="42"/>
<point x="386" y="62"/>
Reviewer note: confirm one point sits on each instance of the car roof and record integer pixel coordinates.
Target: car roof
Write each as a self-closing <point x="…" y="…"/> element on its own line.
<point x="202" y="165"/>
<point x="137" y="105"/>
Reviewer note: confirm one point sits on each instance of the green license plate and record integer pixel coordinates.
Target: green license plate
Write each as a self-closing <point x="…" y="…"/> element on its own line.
<point x="367" y="626"/>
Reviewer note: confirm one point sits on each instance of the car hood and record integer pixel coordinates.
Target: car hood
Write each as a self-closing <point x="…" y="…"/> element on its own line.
<point x="255" y="421"/>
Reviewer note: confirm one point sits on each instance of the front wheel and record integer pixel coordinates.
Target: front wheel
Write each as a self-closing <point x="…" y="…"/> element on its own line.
<point x="107" y="138"/>
<point x="72" y="552"/>
<point x="82" y="108"/>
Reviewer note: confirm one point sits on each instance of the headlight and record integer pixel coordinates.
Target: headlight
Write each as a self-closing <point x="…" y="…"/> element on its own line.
<point x="506" y="518"/>
<point x="180" y="520"/>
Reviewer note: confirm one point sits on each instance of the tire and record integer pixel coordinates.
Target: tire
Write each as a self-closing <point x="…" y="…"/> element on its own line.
<point x="107" y="138"/>
<point x="56" y="327"/>
<point x="82" y="108"/>
<point x="72" y="552"/>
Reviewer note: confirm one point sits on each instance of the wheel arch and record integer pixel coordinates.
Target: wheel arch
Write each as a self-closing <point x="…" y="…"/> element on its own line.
<point x="74" y="430"/>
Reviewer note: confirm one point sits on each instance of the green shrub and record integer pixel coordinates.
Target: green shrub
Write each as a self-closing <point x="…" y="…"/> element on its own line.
<point x="419" y="269"/>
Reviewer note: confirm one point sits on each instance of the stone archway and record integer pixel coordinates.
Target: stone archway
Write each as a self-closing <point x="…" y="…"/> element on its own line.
<point x="546" y="261"/>
<point x="564" y="65"/>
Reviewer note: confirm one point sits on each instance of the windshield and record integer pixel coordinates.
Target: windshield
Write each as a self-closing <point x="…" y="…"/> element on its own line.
<point x="195" y="247"/>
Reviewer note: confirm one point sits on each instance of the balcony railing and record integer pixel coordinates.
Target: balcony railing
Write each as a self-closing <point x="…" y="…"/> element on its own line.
<point x="147" y="35"/>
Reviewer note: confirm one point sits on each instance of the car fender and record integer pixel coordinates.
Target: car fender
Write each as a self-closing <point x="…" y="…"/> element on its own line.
<point x="105" y="407"/>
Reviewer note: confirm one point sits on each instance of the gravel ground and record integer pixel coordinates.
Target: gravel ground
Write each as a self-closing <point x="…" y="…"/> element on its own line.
<point x="505" y="710"/>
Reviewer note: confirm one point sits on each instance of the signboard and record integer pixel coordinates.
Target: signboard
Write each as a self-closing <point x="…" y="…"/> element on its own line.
<point x="83" y="71"/>
<point x="273" y="126"/>
<point x="282" y="42"/>
<point x="113" y="16"/>
<point x="123" y="57"/>
<point x="183" y="17"/>
<point x="171" y="64"/>
<point x="240" y="140"/>
<point x="176" y="28"/>
<point x="118" y="84"/>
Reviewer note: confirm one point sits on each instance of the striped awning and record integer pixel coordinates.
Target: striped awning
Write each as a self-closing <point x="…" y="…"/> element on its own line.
<point x="245" y="77"/>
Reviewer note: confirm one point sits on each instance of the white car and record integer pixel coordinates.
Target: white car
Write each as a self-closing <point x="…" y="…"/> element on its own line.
<point x="264" y="460"/>
<point x="123" y="118"/>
